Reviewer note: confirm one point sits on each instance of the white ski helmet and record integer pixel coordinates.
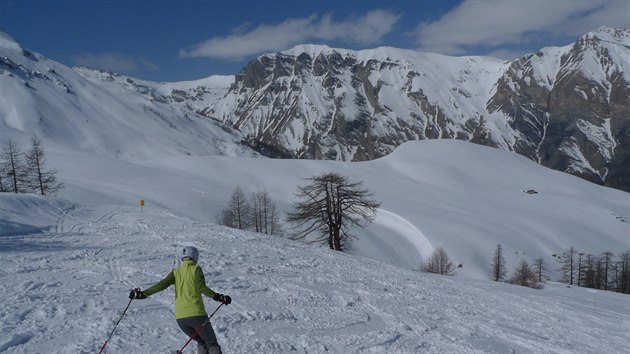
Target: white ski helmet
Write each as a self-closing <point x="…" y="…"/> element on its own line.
<point x="191" y="252"/>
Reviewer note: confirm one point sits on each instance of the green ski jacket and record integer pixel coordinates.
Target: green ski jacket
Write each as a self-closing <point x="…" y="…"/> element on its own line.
<point x="189" y="285"/>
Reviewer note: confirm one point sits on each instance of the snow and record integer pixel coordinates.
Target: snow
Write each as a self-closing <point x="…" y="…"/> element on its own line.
<point x="68" y="263"/>
<point x="82" y="109"/>
<point x="64" y="291"/>
<point x="66" y="269"/>
<point x="600" y="135"/>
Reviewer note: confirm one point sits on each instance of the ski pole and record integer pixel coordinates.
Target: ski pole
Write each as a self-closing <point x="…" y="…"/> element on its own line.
<point x="198" y="330"/>
<point x="110" y="335"/>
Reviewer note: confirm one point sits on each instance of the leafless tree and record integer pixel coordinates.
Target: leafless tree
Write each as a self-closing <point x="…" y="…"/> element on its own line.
<point x="12" y="168"/>
<point x="568" y="265"/>
<point x="330" y="204"/>
<point x="498" y="264"/>
<point x="439" y="263"/>
<point x="524" y="275"/>
<point x="237" y="212"/>
<point x="39" y="179"/>
<point x="265" y="217"/>
<point x="623" y="267"/>
<point x="607" y="263"/>
<point x="540" y="268"/>
<point x="589" y="272"/>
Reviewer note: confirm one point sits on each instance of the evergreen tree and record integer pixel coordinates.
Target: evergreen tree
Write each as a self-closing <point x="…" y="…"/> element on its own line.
<point x="498" y="264"/>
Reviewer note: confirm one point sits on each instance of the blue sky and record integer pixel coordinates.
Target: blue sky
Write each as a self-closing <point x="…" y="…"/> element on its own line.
<point x="168" y="40"/>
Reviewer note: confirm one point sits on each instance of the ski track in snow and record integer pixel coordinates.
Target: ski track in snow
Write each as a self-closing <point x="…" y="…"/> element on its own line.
<point x="63" y="292"/>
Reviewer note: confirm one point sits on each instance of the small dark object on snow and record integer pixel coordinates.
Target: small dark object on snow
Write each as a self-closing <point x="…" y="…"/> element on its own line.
<point x="531" y="191"/>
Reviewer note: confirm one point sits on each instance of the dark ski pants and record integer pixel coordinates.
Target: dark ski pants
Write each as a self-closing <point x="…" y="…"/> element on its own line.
<point x="206" y="339"/>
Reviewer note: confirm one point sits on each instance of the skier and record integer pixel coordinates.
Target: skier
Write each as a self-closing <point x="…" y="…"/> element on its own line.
<point x="190" y="311"/>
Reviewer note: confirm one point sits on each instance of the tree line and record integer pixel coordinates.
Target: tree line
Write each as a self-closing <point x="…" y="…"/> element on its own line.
<point x="255" y="213"/>
<point x="604" y="272"/>
<point x="26" y="172"/>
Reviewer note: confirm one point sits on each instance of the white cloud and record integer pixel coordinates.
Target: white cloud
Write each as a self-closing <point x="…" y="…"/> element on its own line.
<point x="367" y="29"/>
<point x="492" y="23"/>
<point x="119" y="63"/>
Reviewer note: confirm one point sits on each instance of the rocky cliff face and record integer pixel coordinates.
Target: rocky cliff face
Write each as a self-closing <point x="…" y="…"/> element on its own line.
<point x="566" y="108"/>
<point x="571" y="106"/>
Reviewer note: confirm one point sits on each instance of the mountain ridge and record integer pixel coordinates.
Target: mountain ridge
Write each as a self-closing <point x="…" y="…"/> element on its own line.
<point x="327" y="103"/>
<point x="563" y="107"/>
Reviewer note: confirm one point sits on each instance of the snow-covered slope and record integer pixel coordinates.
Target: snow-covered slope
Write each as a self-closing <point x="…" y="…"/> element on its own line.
<point x="461" y="196"/>
<point x="40" y="96"/>
<point x="63" y="292"/>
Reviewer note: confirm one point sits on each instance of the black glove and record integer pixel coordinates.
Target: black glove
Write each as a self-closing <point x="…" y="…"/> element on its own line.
<point x="226" y="300"/>
<point x="137" y="294"/>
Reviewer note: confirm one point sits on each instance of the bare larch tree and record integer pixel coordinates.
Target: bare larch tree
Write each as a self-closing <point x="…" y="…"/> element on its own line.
<point x="498" y="264"/>
<point x="439" y="263"/>
<point x="237" y="213"/>
<point x="330" y="204"/>
<point x="524" y="275"/>
<point x="11" y="167"/>
<point x="265" y="217"/>
<point x="39" y="179"/>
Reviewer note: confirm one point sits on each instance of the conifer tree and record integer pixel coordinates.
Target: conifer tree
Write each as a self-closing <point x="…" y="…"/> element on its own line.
<point x="330" y="204"/>
<point x="238" y="211"/>
<point x="439" y="263"/>
<point x="568" y="265"/>
<point x="524" y="275"/>
<point x="12" y="168"/>
<point x="498" y="264"/>
<point x="540" y="268"/>
<point x="264" y="214"/>
<point x="38" y="178"/>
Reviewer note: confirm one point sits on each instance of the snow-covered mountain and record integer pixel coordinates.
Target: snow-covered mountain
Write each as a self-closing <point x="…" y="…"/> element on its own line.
<point x="83" y="108"/>
<point x="566" y="108"/>
<point x="67" y="263"/>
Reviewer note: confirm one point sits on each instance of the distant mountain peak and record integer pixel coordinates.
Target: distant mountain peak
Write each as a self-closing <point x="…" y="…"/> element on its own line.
<point x="609" y="34"/>
<point x="311" y="49"/>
